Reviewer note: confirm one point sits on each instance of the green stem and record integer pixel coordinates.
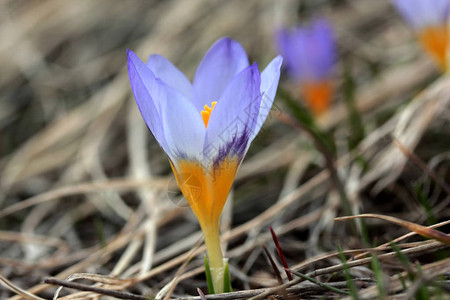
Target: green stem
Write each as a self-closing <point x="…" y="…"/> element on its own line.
<point x="215" y="257"/>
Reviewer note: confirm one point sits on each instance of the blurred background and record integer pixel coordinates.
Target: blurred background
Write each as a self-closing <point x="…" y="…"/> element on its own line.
<point x="84" y="187"/>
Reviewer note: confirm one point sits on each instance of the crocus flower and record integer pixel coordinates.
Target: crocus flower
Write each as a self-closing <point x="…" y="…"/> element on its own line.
<point x="429" y="19"/>
<point x="206" y="127"/>
<point x="310" y="54"/>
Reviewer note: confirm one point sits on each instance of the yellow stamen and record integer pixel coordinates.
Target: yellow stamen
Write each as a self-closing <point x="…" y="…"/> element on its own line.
<point x="206" y="113"/>
<point x="317" y="95"/>
<point x="434" y="39"/>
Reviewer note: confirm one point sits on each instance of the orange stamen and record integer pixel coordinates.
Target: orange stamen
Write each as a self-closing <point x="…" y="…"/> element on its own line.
<point x="206" y="113"/>
<point x="317" y="95"/>
<point x="434" y="39"/>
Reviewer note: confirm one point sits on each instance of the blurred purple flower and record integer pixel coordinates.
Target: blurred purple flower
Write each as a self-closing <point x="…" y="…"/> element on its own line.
<point x="310" y="55"/>
<point x="429" y="20"/>
<point x="309" y="52"/>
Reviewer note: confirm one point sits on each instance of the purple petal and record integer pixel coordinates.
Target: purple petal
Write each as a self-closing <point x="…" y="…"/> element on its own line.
<point x="222" y="62"/>
<point x="286" y="46"/>
<point x="142" y="83"/>
<point x="167" y="72"/>
<point x="183" y="125"/>
<point x="323" y="46"/>
<point x="234" y="117"/>
<point x="422" y="13"/>
<point x="269" y="84"/>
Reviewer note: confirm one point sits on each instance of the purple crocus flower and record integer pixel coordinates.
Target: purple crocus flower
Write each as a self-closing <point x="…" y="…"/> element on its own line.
<point x="310" y="55"/>
<point x="429" y="20"/>
<point x="423" y="13"/>
<point x="206" y="127"/>
<point x="309" y="52"/>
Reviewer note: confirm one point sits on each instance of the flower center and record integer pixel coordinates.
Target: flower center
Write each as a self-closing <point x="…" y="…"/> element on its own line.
<point x="206" y="113"/>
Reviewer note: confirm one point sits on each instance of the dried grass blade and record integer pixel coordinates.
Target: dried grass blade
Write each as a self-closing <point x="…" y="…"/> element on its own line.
<point x="281" y="253"/>
<point x="98" y="290"/>
<point x="27" y="295"/>
<point x="419" y="229"/>
<point x="274" y="266"/>
<point x="200" y="292"/>
<point x="326" y="286"/>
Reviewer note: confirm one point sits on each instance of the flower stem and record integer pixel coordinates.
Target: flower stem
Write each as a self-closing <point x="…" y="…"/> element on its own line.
<point x="215" y="257"/>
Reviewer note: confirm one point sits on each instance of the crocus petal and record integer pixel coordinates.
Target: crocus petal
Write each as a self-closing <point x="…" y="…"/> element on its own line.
<point x="142" y="80"/>
<point x="423" y="13"/>
<point x="222" y="62"/>
<point x="167" y="72"/>
<point x="283" y="39"/>
<point x="183" y="125"/>
<point x="321" y="44"/>
<point x="234" y="117"/>
<point x="269" y="83"/>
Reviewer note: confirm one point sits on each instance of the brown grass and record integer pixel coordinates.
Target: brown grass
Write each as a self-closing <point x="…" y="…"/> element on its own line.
<point x="84" y="187"/>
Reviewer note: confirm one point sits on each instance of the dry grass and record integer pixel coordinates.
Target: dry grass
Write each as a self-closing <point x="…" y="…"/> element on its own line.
<point x="84" y="189"/>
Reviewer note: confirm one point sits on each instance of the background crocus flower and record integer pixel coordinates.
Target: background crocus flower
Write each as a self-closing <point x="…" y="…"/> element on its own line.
<point x="310" y="54"/>
<point x="205" y="127"/>
<point x="429" y="20"/>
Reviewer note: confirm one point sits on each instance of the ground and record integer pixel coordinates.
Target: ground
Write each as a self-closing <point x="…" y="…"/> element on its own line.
<point x="87" y="195"/>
